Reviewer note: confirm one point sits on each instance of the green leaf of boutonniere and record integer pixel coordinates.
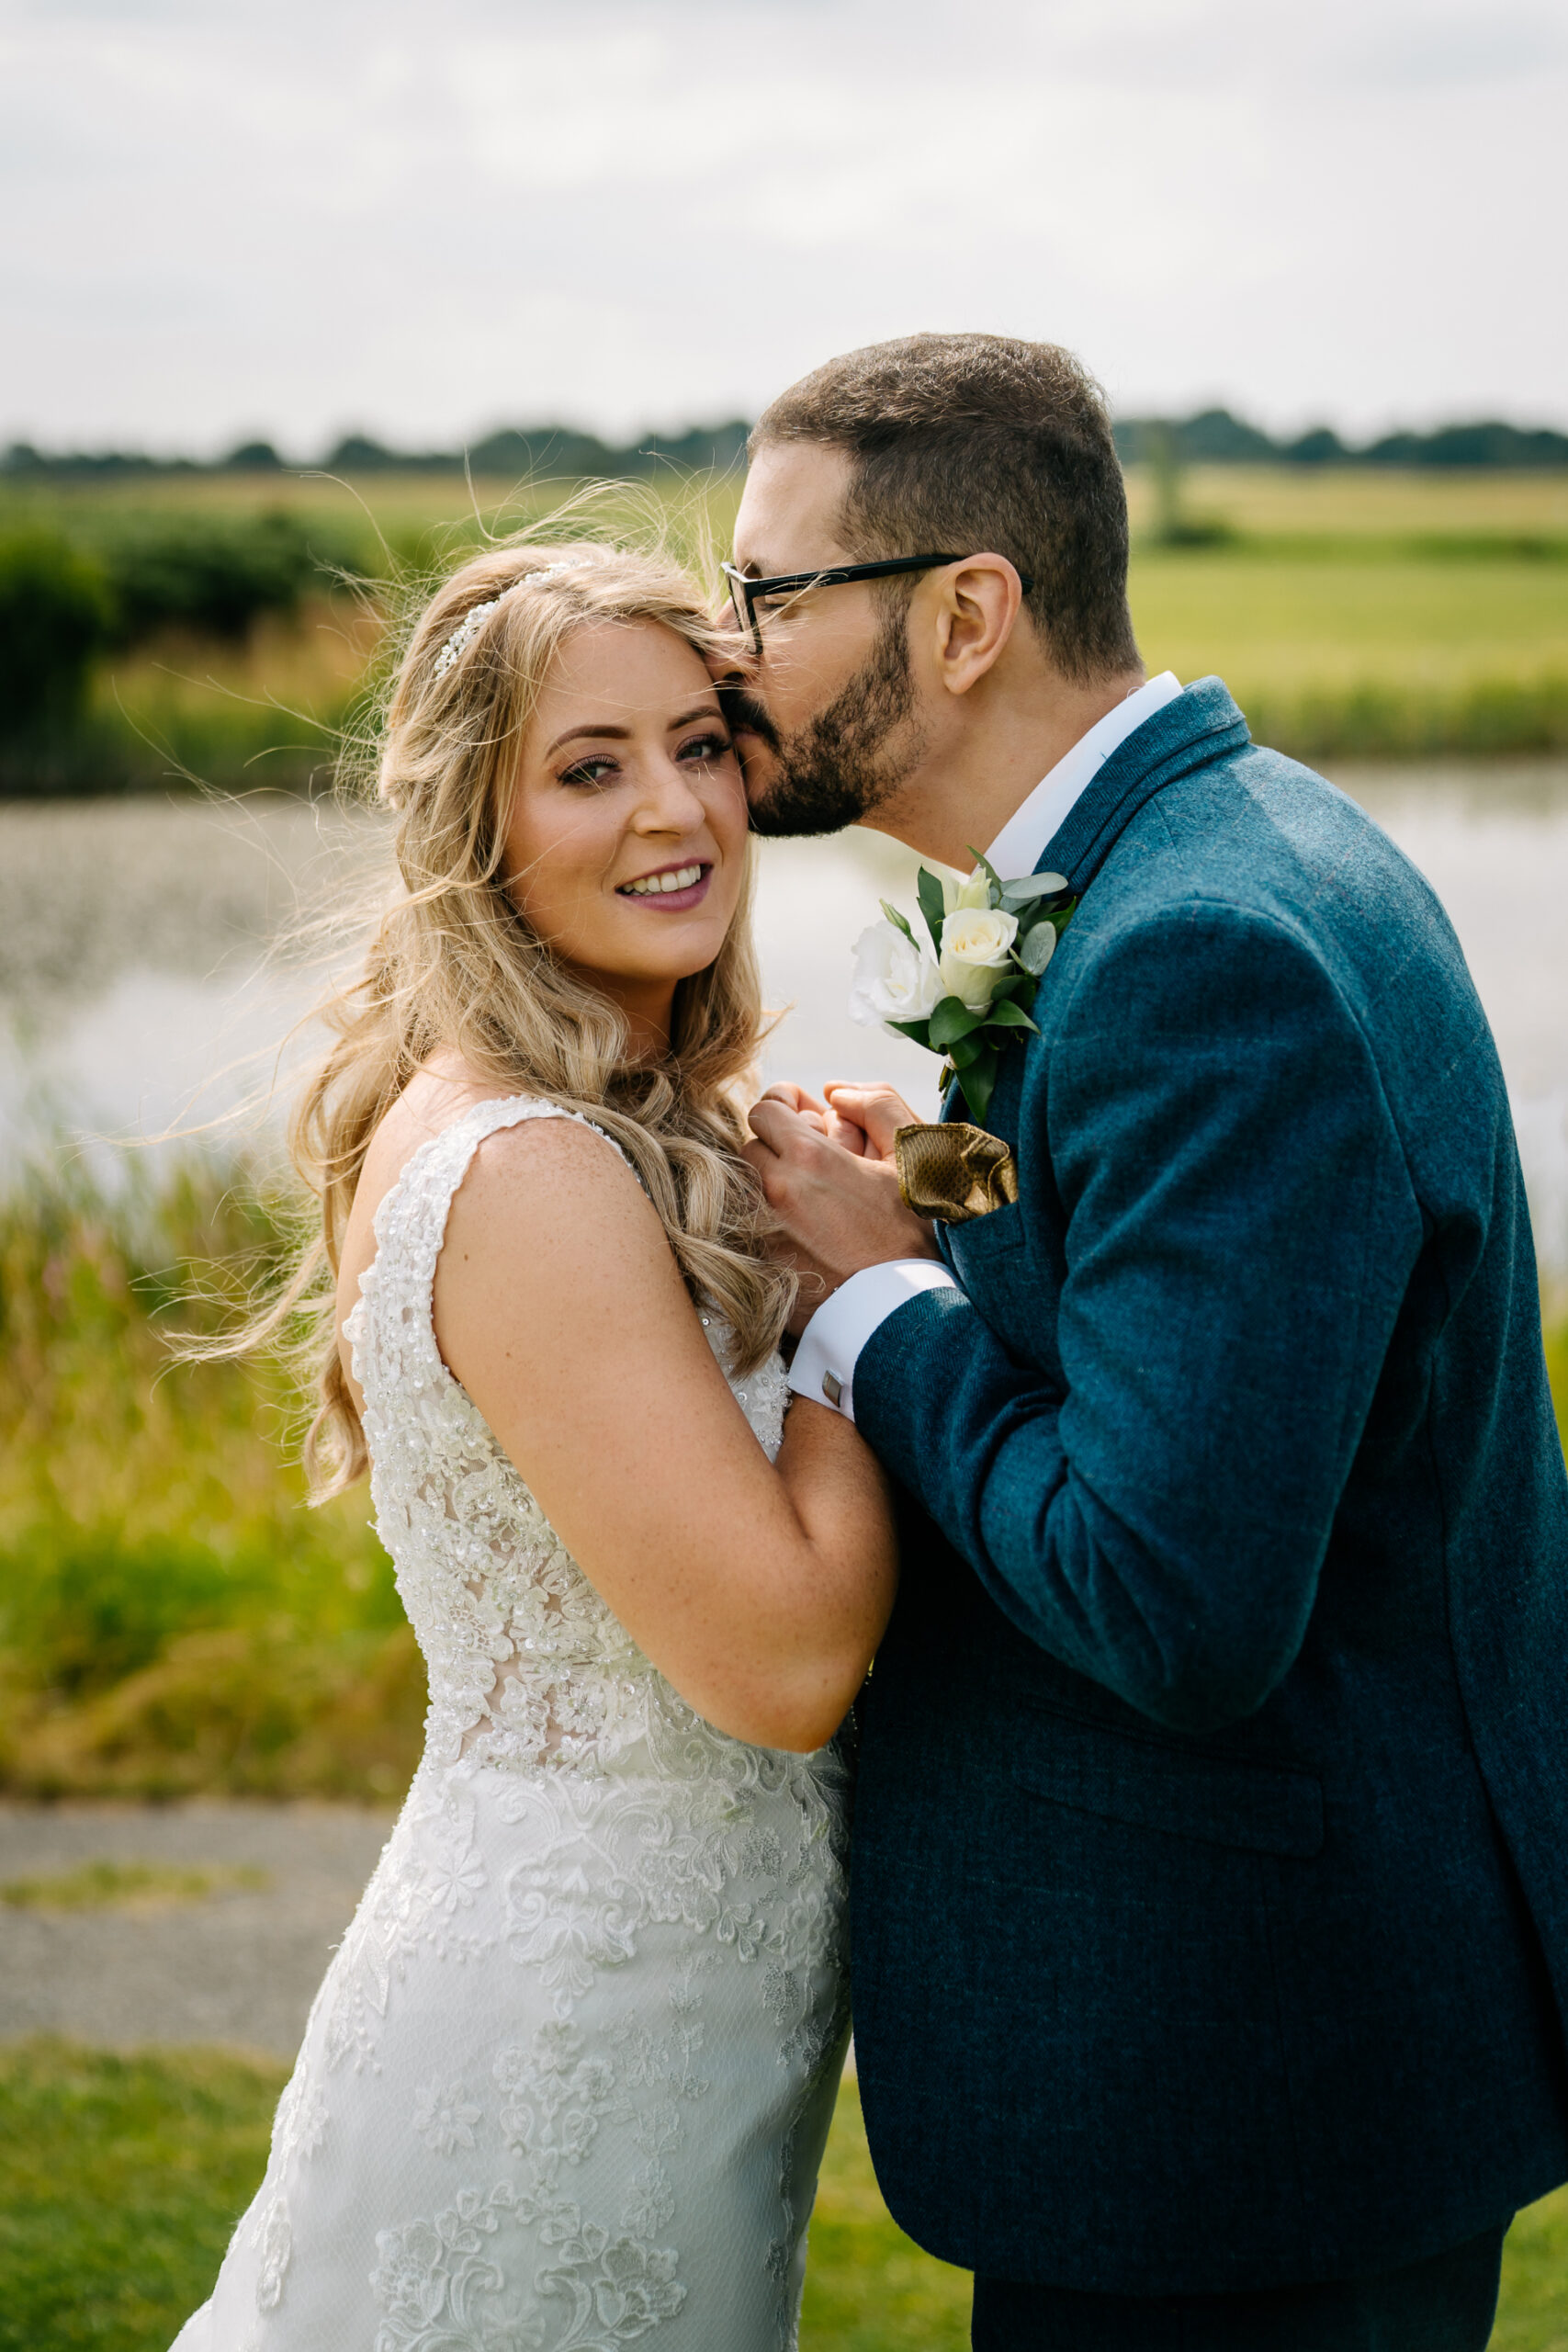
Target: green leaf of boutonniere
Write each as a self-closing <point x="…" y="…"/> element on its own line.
<point x="997" y="884"/>
<point x="952" y="1019"/>
<point x="1037" y="946"/>
<point x="1034" y="886"/>
<point x="978" y="1083"/>
<point x="928" y="889"/>
<point x="1005" y="1015"/>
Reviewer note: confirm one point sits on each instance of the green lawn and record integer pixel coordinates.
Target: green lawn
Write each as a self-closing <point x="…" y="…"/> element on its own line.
<point x="126" y="1886"/>
<point x="1288" y="627"/>
<point x="869" y="2288"/>
<point x="121" y="2181"/>
<point x="121" y="2177"/>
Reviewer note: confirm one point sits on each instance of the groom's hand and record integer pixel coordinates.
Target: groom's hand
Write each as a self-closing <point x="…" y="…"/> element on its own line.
<point x="839" y="1212"/>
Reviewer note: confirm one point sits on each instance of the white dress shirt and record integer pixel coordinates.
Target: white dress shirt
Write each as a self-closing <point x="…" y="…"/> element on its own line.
<point x="824" y="1365"/>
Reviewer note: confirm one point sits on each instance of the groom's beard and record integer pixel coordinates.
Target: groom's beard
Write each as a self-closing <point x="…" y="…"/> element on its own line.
<point x="853" y="756"/>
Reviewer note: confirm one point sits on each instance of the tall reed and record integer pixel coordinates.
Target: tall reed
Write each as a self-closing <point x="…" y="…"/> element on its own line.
<point x="172" y="1615"/>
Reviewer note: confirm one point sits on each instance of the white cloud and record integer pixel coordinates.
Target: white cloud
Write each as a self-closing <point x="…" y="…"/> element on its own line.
<point x="636" y="211"/>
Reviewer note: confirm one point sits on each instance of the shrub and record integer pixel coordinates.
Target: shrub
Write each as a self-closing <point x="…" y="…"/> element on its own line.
<point x="213" y="574"/>
<point x="55" y="608"/>
<point x="253" y="457"/>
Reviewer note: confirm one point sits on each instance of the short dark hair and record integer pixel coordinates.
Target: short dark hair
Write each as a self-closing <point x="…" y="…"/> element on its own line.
<point x="974" y="442"/>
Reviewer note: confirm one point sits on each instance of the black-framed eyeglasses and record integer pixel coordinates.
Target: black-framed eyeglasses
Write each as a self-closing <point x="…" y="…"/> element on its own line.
<point x="744" y="589"/>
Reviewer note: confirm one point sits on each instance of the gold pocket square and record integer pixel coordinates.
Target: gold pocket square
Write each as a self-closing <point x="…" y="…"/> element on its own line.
<point x="954" y="1171"/>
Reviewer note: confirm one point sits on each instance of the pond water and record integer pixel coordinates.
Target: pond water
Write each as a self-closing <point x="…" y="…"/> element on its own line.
<point x="151" y="961"/>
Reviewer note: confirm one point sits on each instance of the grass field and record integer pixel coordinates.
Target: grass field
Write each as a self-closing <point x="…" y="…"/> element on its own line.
<point x="1282" y="501"/>
<point x="1346" y="654"/>
<point x="1354" y="613"/>
<point x="1288" y="628"/>
<point x="121" y="2177"/>
<point x="1301" y="504"/>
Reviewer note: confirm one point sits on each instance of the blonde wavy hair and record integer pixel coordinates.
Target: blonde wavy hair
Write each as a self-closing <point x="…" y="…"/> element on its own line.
<point x="454" y="964"/>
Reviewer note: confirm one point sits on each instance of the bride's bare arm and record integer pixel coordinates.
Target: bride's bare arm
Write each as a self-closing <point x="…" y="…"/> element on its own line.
<point x="759" y="1591"/>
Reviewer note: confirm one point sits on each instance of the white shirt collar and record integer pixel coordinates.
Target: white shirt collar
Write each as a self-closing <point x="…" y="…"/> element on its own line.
<point x="1021" y="844"/>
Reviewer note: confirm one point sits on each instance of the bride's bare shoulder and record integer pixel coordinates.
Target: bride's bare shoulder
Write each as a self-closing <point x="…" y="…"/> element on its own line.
<point x="540" y="1176"/>
<point x="561" y="1177"/>
<point x="557" y="1166"/>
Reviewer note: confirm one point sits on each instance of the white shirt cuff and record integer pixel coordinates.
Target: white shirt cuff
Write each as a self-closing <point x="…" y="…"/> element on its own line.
<point x="824" y="1366"/>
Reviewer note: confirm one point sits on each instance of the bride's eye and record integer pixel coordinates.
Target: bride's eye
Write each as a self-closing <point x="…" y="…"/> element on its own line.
<point x="589" y="772"/>
<point x="712" y="746"/>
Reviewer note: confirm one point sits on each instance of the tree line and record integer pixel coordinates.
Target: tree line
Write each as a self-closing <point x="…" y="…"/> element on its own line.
<point x="554" y="452"/>
<point x="560" y="452"/>
<point x="1215" y="437"/>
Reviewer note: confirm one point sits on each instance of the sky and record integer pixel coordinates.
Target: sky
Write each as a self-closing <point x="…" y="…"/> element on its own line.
<point x="296" y="219"/>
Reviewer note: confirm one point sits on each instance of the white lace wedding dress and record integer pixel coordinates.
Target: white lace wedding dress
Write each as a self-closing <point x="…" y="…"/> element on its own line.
<point x="566" y="2085"/>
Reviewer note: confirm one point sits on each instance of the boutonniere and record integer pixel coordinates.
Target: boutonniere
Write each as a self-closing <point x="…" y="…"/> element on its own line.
<point x="969" y="995"/>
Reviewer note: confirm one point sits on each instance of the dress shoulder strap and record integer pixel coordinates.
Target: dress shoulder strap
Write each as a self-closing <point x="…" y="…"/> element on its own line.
<point x="391" y="1325"/>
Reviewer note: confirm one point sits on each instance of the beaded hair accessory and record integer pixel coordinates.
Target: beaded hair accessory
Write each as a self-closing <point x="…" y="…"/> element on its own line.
<point x="474" y="619"/>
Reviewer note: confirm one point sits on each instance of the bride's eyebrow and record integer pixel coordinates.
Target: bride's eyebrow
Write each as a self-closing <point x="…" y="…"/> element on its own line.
<point x="606" y="732"/>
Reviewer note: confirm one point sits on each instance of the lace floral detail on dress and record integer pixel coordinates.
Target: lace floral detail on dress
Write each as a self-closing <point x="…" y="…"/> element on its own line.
<point x="276" y="2244"/>
<point x="439" y="2291"/>
<point x="444" y="2117"/>
<point x="423" y="1898"/>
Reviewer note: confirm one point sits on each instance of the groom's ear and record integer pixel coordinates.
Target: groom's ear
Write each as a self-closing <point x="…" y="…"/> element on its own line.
<point x="972" y="613"/>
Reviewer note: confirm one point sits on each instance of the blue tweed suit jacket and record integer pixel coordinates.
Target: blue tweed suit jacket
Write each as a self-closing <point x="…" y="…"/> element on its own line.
<point x="1211" y="1871"/>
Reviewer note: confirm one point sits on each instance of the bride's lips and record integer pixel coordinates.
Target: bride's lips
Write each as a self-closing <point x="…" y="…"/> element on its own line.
<point x="664" y="902"/>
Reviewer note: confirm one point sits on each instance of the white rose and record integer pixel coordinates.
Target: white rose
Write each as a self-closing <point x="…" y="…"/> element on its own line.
<point x="893" y="980"/>
<point x="963" y="889"/>
<point x="976" y="951"/>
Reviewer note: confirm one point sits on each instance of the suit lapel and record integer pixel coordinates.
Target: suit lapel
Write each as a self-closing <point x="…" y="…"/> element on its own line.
<point x="1201" y="725"/>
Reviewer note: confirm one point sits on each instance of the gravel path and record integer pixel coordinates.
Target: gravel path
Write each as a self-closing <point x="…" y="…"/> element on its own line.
<point x="237" y="1967"/>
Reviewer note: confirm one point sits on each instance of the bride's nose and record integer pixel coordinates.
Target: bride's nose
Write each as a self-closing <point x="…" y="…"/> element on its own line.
<point x="669" y="803"/>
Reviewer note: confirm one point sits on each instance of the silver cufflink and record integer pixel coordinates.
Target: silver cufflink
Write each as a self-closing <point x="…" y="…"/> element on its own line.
<point x="832" y="1387"/>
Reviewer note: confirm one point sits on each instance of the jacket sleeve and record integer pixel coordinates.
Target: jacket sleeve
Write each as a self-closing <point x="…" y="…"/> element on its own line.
<point x="1240" y="1228"/>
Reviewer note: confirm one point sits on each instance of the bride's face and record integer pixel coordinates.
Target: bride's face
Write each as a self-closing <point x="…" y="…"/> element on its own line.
<point x="626" y="841"/>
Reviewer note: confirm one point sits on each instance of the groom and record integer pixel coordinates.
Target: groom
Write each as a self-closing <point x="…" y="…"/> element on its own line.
<point x="1210" y="1880"/>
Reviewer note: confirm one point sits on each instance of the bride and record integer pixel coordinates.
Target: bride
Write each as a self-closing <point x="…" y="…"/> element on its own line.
<point x="568" y="2080"/>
